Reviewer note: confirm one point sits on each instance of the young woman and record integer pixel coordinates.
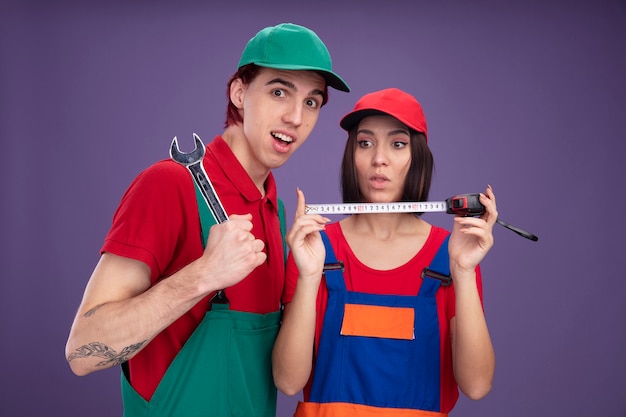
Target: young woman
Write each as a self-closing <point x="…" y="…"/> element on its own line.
<point x="380" y="337"/>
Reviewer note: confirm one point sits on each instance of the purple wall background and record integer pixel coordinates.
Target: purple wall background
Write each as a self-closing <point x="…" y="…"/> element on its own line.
<point x="529" y="97"/>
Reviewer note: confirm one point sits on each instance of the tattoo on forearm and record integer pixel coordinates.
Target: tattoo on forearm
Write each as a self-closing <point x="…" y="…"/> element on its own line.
<point x="92" y="311"/>
<point x="100" y="350"/>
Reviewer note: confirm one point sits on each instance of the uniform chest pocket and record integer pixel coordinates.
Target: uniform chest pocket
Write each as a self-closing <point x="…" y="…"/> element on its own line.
<point x="378" y="321"/>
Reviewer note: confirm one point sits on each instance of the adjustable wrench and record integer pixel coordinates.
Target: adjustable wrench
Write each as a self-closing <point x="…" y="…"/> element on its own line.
<point x="193" y="162"/>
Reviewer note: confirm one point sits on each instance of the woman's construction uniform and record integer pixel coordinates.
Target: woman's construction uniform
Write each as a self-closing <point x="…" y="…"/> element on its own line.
<point x="381" y="354"/>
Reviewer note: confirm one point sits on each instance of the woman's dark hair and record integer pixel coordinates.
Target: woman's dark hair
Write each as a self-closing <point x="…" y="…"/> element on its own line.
<point x="248" y="73"/>
<point x="419" y="176"/>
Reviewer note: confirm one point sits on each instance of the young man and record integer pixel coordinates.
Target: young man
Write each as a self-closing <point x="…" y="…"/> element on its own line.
<point x="149" y="302"/>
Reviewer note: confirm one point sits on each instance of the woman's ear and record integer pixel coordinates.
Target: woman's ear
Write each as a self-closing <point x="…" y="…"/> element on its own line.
<point x="237" y="93"/>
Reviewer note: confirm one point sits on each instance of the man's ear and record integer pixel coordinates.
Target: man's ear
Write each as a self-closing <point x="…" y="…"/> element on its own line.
<point x="237" y="93"/>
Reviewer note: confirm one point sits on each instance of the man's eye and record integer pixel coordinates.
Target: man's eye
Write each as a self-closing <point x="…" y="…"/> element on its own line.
<point x="278" y="93"/>
<point x="312" y="103"/>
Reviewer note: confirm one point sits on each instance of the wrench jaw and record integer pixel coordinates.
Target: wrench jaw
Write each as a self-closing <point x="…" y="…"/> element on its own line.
<point x="190" y="158"/>
<point x="193" y="162"/>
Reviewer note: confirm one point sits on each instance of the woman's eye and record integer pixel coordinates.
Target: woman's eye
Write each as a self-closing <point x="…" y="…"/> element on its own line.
<point x="399" y="144"/>
<point x="364" y="143"/>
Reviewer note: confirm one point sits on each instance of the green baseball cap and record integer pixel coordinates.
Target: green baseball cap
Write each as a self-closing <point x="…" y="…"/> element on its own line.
<point x="288" y="46"/>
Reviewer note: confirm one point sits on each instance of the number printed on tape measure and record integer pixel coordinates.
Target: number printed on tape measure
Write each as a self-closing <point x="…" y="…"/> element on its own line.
<point x="363" y="208"/>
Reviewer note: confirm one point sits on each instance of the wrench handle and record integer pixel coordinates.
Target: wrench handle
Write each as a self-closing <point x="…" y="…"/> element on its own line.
<point x="201" y="178"/>
<point x="208" y="192"/>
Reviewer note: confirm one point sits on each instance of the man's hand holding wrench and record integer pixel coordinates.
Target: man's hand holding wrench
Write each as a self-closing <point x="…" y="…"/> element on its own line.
<point x="232" y="251"/>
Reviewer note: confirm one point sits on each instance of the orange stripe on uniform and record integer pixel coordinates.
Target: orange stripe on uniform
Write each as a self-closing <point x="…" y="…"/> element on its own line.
<point x="306" y="409"/>
<point x="378" y="321"/>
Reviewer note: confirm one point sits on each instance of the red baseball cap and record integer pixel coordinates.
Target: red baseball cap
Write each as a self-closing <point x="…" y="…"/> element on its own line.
<point x="391" y="101"/>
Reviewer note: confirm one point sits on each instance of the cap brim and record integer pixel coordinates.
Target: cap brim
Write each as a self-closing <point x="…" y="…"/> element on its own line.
<point x="333" y="80"/>
<point x="352" y="119"/>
